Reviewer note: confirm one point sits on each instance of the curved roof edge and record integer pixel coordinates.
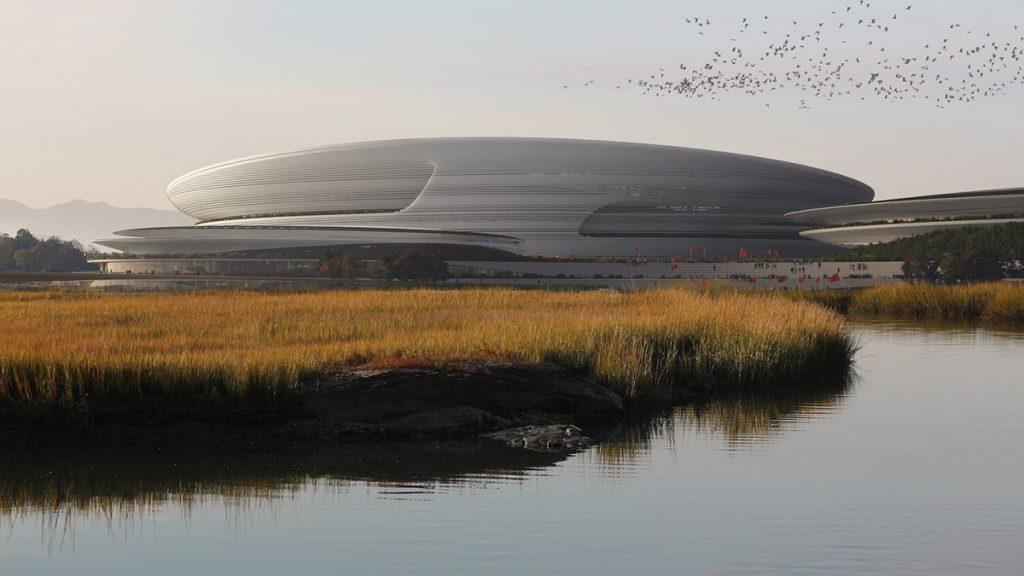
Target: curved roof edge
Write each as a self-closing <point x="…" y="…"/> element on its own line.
<point x="142" y="232"/>
<point x="891" y="203"/>
<point x="210" y="240"/>
<point x="877" y="233"/>
<point x="370" y="143"/>
<point x="969" y="194"/>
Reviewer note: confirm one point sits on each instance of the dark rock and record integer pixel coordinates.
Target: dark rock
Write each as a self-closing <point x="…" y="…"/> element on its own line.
<point x="456" y="418"/>
<point x="551" y="438"/>
<point x="459" y="400"/>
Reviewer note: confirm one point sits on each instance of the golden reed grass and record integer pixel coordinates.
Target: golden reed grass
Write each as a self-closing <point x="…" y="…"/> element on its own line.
<point x="60" y="347"/>
<point x="994" y="301"/>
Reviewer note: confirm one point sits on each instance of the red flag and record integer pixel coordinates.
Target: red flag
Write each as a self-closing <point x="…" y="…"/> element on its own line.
<point x="834" y="277"/>
<point x="782" y="279"/>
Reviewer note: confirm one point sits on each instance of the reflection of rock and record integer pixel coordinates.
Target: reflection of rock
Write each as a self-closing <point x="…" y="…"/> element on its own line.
<point x="108" y="481"/>
<point x="553" y="438"/>
<point x="470" y="399"/>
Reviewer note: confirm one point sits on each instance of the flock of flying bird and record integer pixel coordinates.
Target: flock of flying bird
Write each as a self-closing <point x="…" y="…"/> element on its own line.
<point x="846" y="55"/>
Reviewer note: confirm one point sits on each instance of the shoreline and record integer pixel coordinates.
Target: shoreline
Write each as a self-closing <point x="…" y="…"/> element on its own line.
<point x="487" y="405"/>
<point x="459" y="402"/>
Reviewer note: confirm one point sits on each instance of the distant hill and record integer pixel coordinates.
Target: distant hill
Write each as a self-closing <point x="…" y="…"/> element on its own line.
<point x="83" y="221"/>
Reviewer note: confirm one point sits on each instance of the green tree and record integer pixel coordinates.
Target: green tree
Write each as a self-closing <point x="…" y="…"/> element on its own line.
<point x="1004" y="242"/>
<point x="918" y="267"/>
<point x="26" y="252"/>
<point x="345" y="266"/>
<point x="974" y="266"/>
<point x="6" y="252"/>
<point x="415" y="265"/>
<point x="24" y="239"/>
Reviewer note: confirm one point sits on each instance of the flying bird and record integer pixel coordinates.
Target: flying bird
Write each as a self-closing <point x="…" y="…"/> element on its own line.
<point x="819" y="62"/>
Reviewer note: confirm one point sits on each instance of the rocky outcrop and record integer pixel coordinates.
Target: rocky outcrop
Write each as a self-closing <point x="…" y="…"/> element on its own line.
<point x="461" y="400"/>
<point x="457" y="402"/>
<point x="553" y="438"/>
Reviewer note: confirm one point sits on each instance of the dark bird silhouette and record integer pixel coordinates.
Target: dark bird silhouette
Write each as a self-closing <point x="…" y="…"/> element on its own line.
<point x="819" y="62"/>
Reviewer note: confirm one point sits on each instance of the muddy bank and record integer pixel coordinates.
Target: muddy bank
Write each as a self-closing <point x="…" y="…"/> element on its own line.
<point x="529" y="404"/>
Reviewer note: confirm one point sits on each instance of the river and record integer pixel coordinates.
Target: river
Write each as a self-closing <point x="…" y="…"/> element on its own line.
<point x="916" y="466"/>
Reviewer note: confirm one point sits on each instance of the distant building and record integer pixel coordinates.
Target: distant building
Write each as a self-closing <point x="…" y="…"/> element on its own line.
<point x="530" y="196"/>
<point x="887" y="220"/>
<point x="208" y="266"/>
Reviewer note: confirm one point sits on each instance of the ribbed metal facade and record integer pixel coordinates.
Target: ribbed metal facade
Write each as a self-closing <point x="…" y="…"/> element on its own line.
<point x="888" y="220"/>
<point x="849" y="236"/>
<point x="551" y="197"/>
<point x="987" y="204"/>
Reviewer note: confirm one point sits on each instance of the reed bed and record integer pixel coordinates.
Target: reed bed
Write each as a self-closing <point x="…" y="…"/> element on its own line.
<point x="995" y="301"/>
<point x="57" y="348"/>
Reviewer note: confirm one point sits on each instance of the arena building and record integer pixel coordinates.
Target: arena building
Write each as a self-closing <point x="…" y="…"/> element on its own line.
<point x="529" y="196"/>
<point x="888" y="220"/>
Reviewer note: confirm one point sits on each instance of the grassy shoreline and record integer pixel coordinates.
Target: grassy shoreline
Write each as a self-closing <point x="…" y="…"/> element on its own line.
<point x="59" y="348"/>
<point x="999" y="302"/>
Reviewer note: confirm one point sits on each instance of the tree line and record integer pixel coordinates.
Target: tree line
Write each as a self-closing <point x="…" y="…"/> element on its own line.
<point x="969" y="254"/>
<point x="403" y="265"/>
<point x="24" y="252"/>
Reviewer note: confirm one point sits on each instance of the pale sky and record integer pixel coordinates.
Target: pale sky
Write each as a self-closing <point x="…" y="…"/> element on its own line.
<point x="105" y="100"/>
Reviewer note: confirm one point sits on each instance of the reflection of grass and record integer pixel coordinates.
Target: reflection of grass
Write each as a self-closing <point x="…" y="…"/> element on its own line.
<point x="739" y="418"/>
<point x="744" y="418"/>
<point x="61" y="489"/>
<point x="58" y="348"/>
<point x="102" y="482"/>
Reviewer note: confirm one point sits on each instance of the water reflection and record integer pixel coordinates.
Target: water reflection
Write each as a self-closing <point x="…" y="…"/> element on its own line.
<point x="750" y="420"/>
<point x="947" y="331"/>
<point x="740" y="421"/>
<point x="58" y="489"/>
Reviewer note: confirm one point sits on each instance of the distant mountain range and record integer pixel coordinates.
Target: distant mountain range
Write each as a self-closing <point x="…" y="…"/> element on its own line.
<point x="83" y="221"/>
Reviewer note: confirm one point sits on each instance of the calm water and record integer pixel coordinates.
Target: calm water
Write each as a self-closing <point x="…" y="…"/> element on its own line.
<point x="915" y="468"/>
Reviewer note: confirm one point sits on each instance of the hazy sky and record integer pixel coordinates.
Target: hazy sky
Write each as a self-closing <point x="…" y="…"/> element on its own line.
<point x="110" y="101"/>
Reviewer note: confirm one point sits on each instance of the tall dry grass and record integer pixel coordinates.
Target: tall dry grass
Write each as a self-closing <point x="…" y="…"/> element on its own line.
<point x="995" y="301"/>
<point x="59" y="347"/>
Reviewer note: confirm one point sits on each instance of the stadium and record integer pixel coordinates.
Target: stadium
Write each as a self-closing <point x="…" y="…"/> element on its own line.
<point x="524" y="196"/>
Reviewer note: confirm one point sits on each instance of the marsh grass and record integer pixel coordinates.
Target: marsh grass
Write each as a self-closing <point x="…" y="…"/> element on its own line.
<point x="57" y="348"/>
<point x="994" y="301"/>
